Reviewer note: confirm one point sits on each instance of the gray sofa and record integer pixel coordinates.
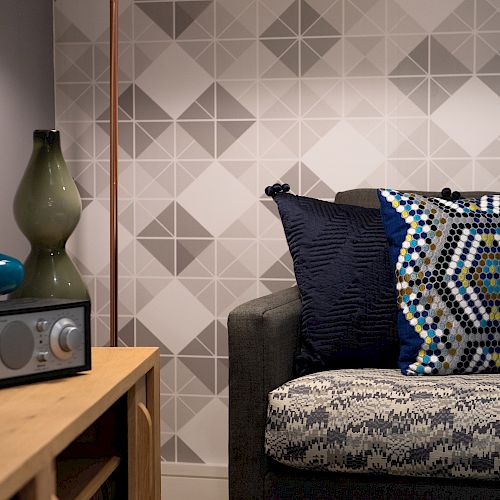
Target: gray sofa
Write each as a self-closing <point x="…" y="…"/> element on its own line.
<point x="263" y="337"/>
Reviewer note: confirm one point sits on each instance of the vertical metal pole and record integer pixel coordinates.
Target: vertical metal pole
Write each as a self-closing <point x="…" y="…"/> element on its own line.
<point x="113" y="171"/>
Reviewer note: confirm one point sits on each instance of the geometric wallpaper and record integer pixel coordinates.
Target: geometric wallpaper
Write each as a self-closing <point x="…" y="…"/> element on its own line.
<point x="219" y="98"/>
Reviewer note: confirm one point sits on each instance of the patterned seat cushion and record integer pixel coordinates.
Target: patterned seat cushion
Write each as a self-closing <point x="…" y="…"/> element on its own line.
<point x="379" y="421"/>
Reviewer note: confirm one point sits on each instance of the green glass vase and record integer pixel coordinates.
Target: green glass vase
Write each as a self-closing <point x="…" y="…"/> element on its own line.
<point x="47" y="208"/>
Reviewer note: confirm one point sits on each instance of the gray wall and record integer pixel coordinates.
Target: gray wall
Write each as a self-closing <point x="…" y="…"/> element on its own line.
<point x="26" y="100"/>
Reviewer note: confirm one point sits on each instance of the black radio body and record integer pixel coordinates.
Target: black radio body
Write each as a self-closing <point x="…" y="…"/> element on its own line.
<point x="43" y="339"/>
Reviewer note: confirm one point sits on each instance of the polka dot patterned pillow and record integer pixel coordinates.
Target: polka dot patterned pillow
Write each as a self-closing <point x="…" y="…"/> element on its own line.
<point x="446" y="256"/>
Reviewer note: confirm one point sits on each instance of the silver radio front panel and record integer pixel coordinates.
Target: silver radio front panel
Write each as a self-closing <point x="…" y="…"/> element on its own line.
<point x="36" y="342"/>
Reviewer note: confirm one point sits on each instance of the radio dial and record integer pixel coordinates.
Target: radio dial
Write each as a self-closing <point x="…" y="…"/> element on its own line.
<point x="65" y="338"/>
<point x="68" y="339"/>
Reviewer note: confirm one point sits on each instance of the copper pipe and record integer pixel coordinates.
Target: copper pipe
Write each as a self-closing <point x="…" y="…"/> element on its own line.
<point x="113" y="172"/>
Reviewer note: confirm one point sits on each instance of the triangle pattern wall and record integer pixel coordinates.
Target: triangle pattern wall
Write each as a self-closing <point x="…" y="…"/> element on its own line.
<point x="219" y="98"/>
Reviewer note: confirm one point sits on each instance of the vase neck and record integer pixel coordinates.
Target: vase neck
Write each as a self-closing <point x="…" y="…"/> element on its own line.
<point x="52" y="250"/>
<point x="48" y="140"/>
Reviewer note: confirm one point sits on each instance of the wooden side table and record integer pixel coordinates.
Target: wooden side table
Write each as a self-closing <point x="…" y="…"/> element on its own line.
<point x="64" y="439"/>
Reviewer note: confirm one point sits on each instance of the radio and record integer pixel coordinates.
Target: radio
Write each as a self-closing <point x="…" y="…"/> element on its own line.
<point x="43" y="339"/>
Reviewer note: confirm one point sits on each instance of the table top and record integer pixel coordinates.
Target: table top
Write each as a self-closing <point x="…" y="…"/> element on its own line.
<point x="37" y="421"/>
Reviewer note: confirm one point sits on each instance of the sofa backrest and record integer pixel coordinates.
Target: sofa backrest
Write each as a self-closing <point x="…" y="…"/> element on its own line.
<point x="368" y="197"/>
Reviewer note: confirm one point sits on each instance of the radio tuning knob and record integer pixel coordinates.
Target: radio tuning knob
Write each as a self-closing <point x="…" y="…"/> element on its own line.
<point x="68" y="338"/>
<point x="65" y="337"/>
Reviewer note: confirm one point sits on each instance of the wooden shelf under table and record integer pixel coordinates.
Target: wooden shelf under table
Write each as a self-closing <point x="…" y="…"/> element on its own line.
<point x="80" y="478"/>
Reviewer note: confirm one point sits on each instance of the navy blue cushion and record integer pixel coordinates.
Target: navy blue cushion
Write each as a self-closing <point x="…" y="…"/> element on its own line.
<point x="346" y="282"/>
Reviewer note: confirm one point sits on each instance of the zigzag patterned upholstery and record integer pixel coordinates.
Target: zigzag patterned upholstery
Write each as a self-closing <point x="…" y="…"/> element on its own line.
<point x="379" y="421"/>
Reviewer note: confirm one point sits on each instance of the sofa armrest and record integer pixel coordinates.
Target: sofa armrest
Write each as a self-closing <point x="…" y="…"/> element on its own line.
<point x="263" y="338"/>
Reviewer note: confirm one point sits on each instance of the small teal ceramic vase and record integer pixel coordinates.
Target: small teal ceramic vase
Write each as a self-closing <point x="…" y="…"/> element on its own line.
<point x="11" y="274"/>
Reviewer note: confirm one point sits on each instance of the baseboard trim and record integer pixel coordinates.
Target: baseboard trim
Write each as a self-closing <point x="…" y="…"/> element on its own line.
<point x="194" y="470"/>
<point x="184" y="487"/>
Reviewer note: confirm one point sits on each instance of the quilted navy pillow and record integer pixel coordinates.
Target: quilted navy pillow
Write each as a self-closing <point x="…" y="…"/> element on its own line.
<point x="343" y="272"/>
<point x="446" y="256"/>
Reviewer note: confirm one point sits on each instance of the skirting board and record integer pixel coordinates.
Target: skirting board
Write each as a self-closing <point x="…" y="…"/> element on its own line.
<point x="194" y="470"/>
<point x="182" y="488"/>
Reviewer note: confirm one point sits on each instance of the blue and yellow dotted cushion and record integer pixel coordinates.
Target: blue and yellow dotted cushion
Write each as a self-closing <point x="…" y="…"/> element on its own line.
<point x="446" y="256"/>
